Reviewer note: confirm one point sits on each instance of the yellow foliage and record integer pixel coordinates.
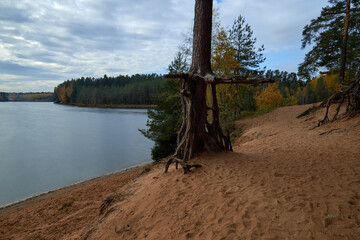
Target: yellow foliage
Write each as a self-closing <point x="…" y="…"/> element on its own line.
<point x="270" y="98"/>
<point x="289" y="101"/>
<point x="36" y="96"/>
<point x="224" y="62"/>
<point x="313" y="83"/>
<point x="227" y="96"/>
<point x="224" y="57"/>
<point x="61" y="92"/>
<point x="332" y="82"/>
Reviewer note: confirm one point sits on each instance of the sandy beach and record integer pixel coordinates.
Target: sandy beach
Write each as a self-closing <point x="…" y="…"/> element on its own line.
<point x="284" y="180"/>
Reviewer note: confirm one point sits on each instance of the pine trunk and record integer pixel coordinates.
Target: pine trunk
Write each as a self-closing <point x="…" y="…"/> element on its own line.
<point x="202" y="38"/>
<point x="344" y="43"/>
<point x="200" y="65"/>
<point x="194" y="90"/>
<point x="197" y="133"/>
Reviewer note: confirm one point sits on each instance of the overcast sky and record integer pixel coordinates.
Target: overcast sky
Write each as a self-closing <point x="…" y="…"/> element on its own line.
<point x="45" y="42"/>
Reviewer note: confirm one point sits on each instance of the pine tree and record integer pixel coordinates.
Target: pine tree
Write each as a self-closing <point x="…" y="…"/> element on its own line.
<point x="165" y="120"/>
<point x="242" y="41"/>
<point x="321" y="90"/>
<point x="327" y="33"/>
<point x="310" y="95"/>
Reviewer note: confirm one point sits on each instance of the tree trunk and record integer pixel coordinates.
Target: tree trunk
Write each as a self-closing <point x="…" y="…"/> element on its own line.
<point x="196" y="133"/>
<point x="202" y="38"/>
<point x="344" y="44"/>
<point x="193" y="136"/>
<point x="194" y="90"/>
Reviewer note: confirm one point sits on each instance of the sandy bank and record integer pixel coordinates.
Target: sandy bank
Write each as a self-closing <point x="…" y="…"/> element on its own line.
<point x="65" y="212"/>
<point x="284" y="180"/>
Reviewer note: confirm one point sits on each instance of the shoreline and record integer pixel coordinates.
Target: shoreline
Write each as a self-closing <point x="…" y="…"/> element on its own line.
<point x="284" y="179"/>
<point x="75" y="184"/>
<point x="124" y="106"/>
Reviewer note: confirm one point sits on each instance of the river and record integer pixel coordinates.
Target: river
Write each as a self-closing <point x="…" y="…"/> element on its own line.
<point x="45" y="146"/>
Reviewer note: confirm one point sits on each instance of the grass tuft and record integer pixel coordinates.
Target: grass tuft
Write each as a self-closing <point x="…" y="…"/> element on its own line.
<point x="67" y="204"/>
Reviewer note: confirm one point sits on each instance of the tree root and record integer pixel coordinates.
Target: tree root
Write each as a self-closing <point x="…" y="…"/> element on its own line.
<point x="197" y="132"/>
<point x="351" y="94"/>
<point x="312" y="109"/>
<point x="186" y="167"/>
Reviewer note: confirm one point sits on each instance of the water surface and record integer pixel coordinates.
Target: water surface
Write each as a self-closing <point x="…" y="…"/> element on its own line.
<point x="45" y="146"/>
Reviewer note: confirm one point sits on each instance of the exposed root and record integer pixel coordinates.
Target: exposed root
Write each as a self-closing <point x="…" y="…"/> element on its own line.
<point x="186" y="167"/>
<point x="351" y="94"/>
<point x="312" y="109"/>
<point x="198" y="131"/>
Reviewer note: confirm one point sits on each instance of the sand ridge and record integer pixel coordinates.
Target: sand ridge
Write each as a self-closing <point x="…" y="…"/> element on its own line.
<point x="284" y="180"/>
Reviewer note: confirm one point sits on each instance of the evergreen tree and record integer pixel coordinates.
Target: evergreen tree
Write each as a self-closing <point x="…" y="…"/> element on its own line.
<point x="133" y="90"/>
<point x="310" y="94"/>
<point x="321" y="90"/>
<point x="248" y="56"/>
<point x="326" y="35"/>
<point x="164" y="121"/>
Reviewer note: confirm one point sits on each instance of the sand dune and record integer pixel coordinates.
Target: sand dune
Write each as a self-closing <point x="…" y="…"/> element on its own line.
<point x="284" y="180"/>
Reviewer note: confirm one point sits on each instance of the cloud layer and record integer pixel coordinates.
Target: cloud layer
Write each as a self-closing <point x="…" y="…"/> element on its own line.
<point x="43" y="43"/>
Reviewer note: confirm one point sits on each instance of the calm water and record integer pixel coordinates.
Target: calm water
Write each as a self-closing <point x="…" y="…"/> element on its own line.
<point x="45" y="146"/>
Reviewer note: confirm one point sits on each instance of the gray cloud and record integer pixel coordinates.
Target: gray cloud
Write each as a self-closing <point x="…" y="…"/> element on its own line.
<point x="11" y="68"/>
<point x="44" y="42"/>
<point x="67" y="39"/>
<point x="20" y="70"/>
<point x="13" y="15"/>
<point x="277" y="23"/>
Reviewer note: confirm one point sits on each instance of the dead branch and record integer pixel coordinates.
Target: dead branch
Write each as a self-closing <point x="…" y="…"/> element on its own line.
<point x="212" y="79"/>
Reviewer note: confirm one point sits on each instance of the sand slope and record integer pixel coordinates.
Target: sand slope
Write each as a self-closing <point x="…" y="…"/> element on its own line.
<point x="284" y="180"/>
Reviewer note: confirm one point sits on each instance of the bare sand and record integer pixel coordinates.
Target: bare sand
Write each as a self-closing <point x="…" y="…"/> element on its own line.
<point x="284" y="180"/>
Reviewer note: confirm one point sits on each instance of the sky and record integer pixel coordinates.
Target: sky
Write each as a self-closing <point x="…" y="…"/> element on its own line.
<point x="46" y="42"/>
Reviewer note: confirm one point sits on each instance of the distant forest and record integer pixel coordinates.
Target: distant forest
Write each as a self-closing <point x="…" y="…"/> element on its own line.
<point x="121" y="90"/>
<point x="27" y="97"/>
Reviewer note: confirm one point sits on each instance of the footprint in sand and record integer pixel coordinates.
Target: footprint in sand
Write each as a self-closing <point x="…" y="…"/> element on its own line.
<point x="246" y="219"/>
<point x="231" y="228"/>
<point x="189" y="235"/>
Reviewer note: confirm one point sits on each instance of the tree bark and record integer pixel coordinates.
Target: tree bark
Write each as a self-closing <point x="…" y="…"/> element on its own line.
<point x="202" y="38"/>
<point x="344" y="43"/>
<point x="196" y="133"/>
<point x="195" y="97"/>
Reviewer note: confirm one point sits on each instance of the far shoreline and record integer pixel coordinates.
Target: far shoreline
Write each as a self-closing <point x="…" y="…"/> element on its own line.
<point x="124" y="106"/>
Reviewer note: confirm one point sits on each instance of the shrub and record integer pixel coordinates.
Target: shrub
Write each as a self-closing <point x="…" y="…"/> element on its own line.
<point x="270" y="98"/>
